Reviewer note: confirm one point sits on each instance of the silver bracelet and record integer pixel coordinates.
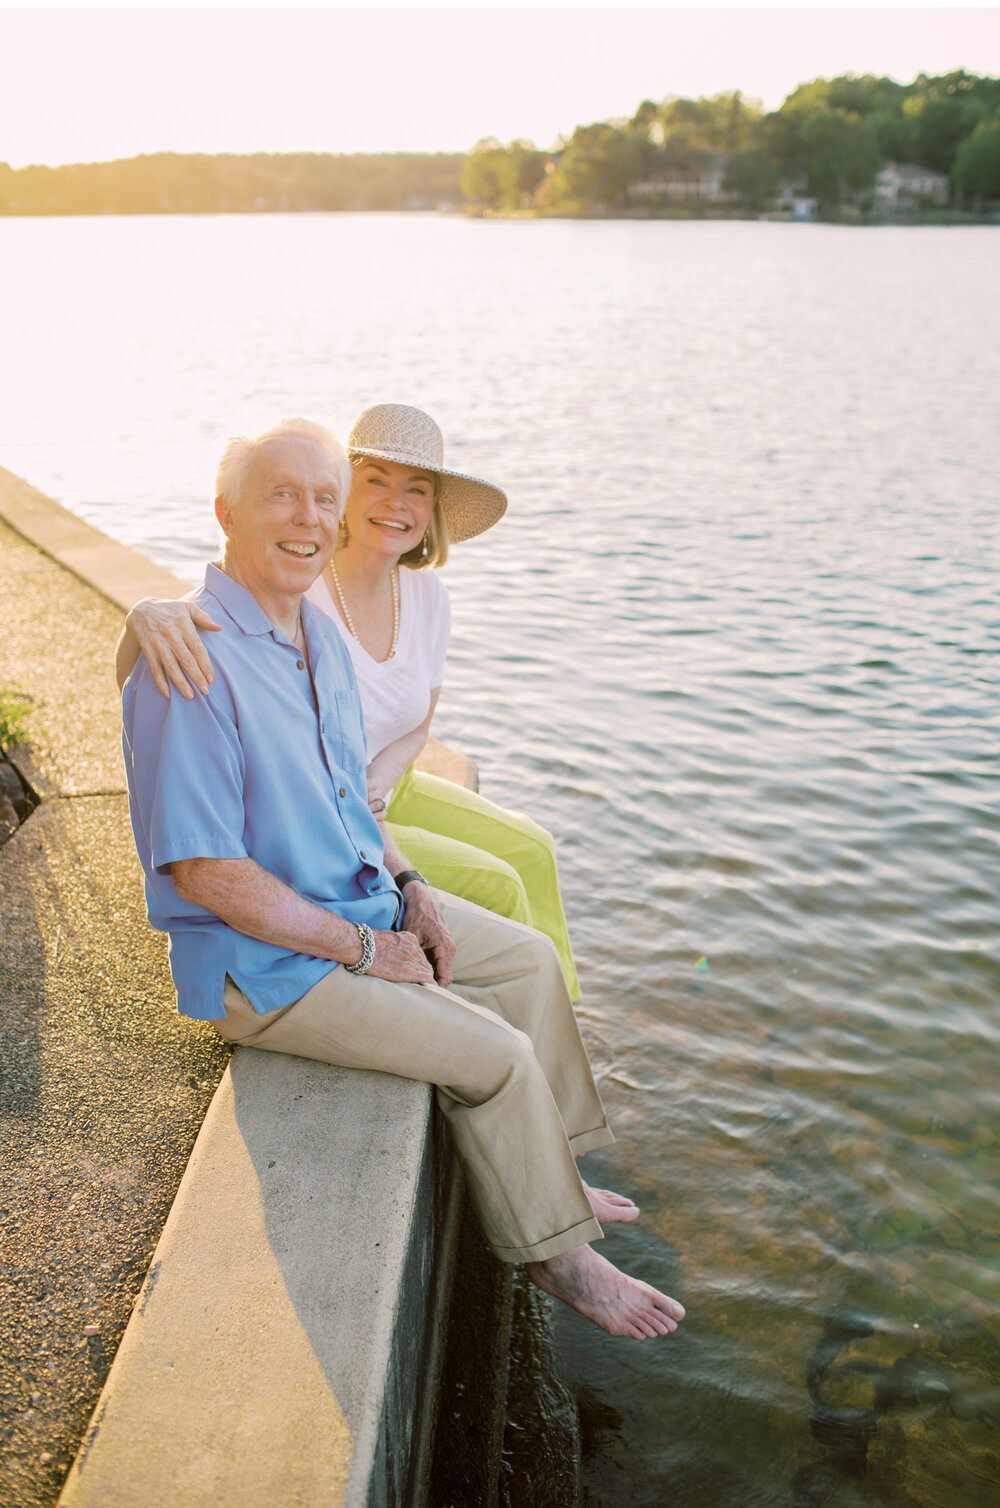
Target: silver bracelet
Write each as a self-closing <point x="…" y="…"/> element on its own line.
<point x="367" y="958"/>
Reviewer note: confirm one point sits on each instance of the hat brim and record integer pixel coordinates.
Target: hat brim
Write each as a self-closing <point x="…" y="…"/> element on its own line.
<point x="470" y="505"/>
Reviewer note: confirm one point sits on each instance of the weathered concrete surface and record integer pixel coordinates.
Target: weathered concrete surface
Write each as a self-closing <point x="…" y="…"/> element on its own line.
<point x="57" y="645"/>
<point x="276" y="1352"/>
<point x="102" y="1086"/>
<point x="437" y="759"/>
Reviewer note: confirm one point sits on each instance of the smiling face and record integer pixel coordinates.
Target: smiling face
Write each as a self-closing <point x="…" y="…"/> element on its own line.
<point x="389" y="506"/>
<point x="282" y="530"/>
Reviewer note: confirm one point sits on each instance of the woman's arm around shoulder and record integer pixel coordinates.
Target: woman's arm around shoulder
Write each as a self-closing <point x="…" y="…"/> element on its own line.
<point x="167" y="633"/>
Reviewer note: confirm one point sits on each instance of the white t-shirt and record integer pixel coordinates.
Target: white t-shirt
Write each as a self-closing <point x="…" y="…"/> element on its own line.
<point x="396" y="693"/>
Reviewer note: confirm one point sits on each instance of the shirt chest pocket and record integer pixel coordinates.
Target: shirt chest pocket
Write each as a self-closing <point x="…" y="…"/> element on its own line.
<point x="346" y="733"/>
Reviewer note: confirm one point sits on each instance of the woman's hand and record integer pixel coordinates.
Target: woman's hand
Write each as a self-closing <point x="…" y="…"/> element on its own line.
<point x="388" y="766"/>
<point x="168" y="636"/>
<point x="377" y="792"/>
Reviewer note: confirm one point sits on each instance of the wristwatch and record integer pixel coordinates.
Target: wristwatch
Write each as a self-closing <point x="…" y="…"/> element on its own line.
<point x="407" y="875"/>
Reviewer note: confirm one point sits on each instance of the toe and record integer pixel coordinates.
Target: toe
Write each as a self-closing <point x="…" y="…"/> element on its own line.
<point x="669" y="1307"/>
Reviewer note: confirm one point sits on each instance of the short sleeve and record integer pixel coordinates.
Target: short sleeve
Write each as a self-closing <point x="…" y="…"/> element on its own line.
<point x="188" y="773"/>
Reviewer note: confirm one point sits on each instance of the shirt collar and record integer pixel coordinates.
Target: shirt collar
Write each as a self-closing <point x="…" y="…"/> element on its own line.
<point x="244" y="609"/>
<point x="314" y="626"/>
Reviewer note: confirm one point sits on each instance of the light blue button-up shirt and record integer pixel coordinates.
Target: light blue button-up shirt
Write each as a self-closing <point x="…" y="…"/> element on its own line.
<point x="259" y="768"/>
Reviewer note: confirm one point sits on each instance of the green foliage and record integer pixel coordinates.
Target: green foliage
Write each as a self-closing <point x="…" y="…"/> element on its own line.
<point x="16" y="707"/>
<point x="598" y="165"/>
<point x="940" y="124"/>
<point x="723" y="123"/>
<point x="840" y="153"/>
<point x="482" y="178"/>
<point x="645" y="117"/>
<point x="977" y="165"/>
<point x="523" y="171"/>
<point x="502" y="177"/>
<point x="897" y="136"/>
<point x="752" y="175"/>
<point x="168" y="182"/>
<point x="835" y="133"/>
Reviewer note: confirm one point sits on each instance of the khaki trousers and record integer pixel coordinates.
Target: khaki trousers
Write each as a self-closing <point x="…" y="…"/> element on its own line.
<point x="503" y="1048"/>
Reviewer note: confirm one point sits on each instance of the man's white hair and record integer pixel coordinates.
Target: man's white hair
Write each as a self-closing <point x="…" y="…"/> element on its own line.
<point x="239" y="452"/>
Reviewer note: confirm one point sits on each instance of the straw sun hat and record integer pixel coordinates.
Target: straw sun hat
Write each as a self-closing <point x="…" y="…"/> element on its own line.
<point x="408" y="436"/>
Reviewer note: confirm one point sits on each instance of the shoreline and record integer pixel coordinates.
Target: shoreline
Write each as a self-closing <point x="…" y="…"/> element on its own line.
<point x="943" y="219"/>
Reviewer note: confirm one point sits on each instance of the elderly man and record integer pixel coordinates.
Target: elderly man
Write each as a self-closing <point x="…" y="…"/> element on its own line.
<point x="288" y="930"/>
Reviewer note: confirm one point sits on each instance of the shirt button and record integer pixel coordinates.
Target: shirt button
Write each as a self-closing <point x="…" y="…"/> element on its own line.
<point x="300" y="664"/>
<point x="342" y="791"/>
<point x="362" y="853"/>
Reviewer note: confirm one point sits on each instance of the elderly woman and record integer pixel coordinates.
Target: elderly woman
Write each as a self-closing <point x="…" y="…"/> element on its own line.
<point x="405" y="508"/>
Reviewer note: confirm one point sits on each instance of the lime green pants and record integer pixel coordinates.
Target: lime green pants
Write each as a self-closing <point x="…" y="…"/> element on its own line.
<point x="470" y="847"/>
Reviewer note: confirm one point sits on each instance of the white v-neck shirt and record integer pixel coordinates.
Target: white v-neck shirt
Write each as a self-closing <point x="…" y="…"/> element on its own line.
<point x="396" y="693"/>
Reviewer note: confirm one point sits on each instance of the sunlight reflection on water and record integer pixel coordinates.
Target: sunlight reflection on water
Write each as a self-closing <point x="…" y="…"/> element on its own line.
<point x="735" y="643"/>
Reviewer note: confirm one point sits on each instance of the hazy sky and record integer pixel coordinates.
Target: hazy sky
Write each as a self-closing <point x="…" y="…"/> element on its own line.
<point x="82" y="85"/>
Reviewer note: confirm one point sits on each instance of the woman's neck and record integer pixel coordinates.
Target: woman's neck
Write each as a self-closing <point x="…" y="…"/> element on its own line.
<point x="364" y="572"/>
<point x="365" y="588"/>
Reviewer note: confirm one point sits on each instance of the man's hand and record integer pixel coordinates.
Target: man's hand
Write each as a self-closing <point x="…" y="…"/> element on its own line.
<point x="422" y="917"/>
<point x="251" y="900"/>
<point x="399" y="957"/>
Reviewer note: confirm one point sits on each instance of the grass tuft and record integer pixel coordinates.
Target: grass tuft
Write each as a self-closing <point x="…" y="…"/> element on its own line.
<point x="16" y="707"/>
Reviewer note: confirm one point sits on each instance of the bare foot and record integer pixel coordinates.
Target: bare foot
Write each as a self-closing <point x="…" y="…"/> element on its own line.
<point x="591" y="1285"/>
<point x="609" y="1207"/>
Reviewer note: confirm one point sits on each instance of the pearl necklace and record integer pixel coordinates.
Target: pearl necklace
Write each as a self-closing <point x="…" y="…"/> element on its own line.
<point x="345" y="610"/>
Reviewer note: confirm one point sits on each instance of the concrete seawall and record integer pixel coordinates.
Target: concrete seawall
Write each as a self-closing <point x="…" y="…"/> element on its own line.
<point x="286" y="1343"/>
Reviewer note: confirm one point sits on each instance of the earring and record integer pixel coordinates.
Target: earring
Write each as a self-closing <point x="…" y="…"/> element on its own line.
<point x="425" y="547"/>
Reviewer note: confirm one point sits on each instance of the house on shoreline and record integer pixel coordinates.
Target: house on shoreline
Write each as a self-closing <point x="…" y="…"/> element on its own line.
<point x="697" y="181"/>
<point x="899" y="189"/>
<point x="902" y="188"/>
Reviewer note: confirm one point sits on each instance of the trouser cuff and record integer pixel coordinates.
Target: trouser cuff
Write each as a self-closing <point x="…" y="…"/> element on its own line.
<point x="553" y="1246"/>
<point x="601" y="1136"/>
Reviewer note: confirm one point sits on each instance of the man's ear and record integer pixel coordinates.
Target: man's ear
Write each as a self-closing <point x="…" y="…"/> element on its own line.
<point x="223" y="513"/>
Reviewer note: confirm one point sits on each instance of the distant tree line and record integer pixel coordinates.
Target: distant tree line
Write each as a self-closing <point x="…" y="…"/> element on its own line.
<point x="172" y="183"/>
<point x="829" y="137"/>
<point x="829" y="140"/>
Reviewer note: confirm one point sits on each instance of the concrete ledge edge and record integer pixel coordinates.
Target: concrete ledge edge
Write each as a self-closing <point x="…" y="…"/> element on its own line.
<point x="120" y="574"/>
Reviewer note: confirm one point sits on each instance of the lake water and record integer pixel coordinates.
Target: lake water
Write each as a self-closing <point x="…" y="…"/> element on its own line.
<point x="736" y="644"/>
